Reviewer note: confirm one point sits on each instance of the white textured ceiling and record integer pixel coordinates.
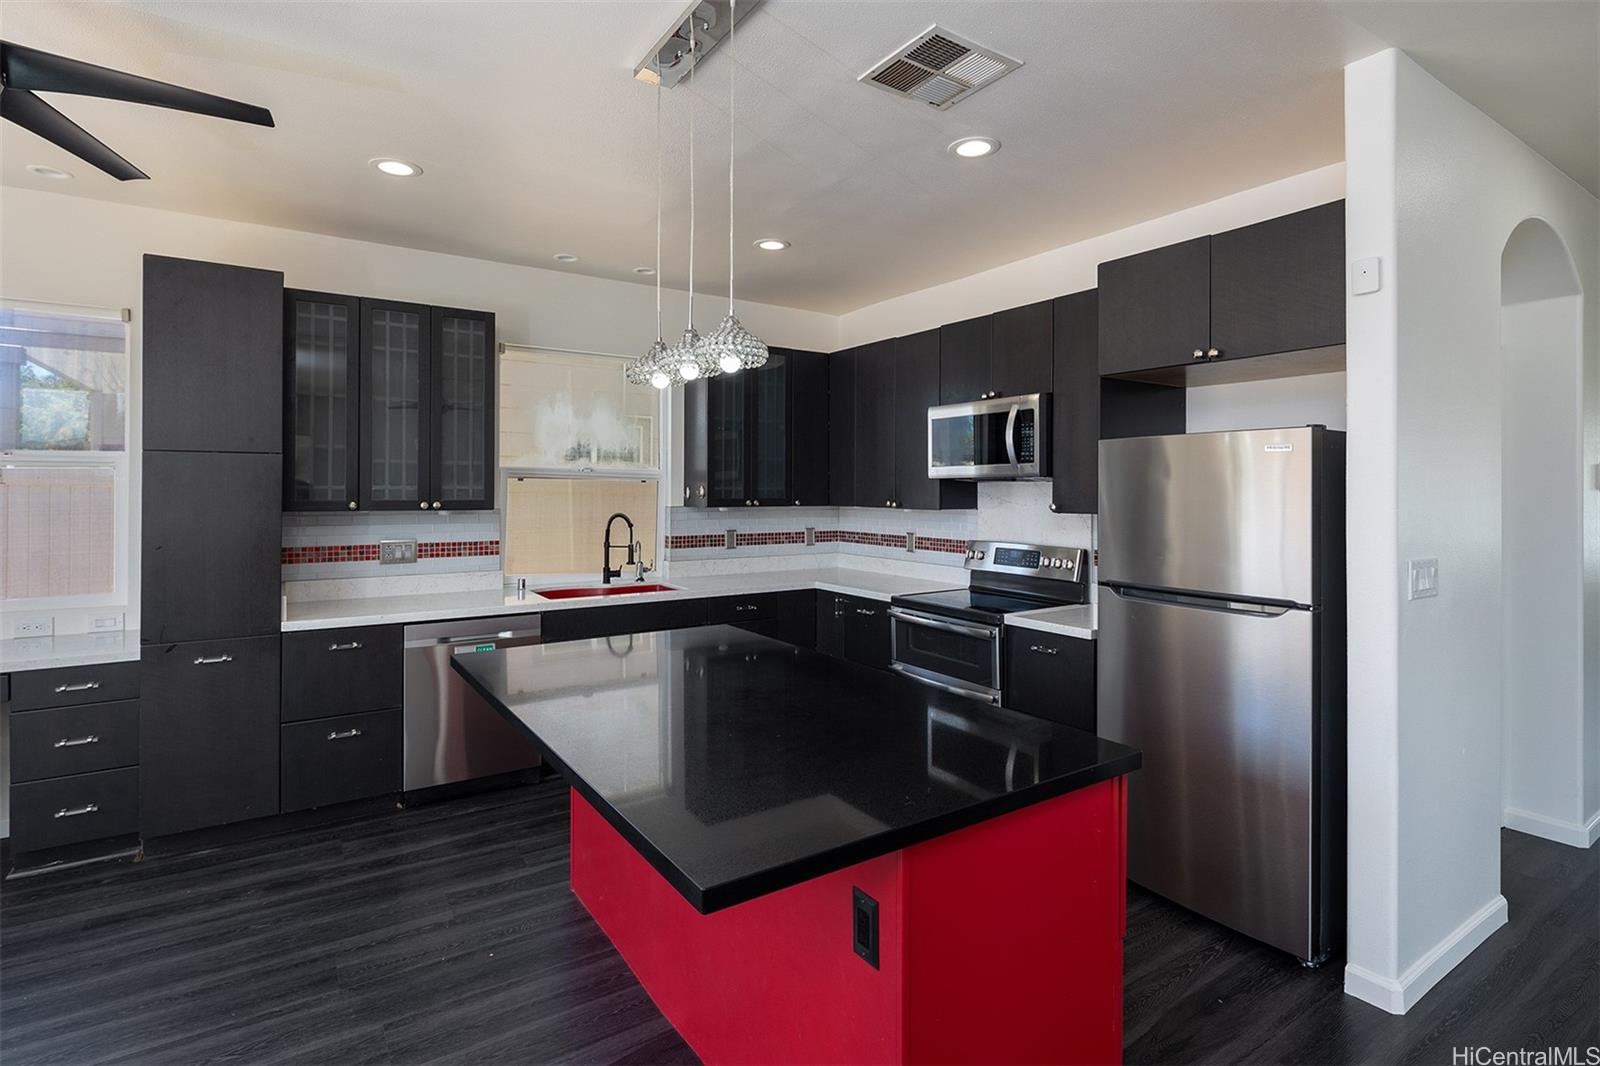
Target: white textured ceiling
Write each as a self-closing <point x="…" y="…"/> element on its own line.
<point x="535" y="139"/>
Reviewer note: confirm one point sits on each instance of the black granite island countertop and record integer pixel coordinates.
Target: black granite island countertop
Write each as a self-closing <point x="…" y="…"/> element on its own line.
<point x="738" y="765"/>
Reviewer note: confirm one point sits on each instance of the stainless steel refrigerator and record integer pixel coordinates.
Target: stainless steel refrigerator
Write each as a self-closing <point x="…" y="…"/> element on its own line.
<point x="1221" y="655"/>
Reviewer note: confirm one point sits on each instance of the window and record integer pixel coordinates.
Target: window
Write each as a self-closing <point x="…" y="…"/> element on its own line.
<point x="577" y="444"/>
<point x="63" y="457"/>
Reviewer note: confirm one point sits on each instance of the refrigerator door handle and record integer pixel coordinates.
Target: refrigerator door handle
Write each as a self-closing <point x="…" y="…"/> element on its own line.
<point x="1204" y="603"/>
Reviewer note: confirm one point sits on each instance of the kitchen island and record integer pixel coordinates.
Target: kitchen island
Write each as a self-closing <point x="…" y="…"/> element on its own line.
<point x="806" y="860"/>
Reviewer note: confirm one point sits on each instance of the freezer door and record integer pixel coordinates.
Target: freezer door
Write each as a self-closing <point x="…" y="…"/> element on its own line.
<point x="1229" y="513"/>
<point x="1221" y="702"/>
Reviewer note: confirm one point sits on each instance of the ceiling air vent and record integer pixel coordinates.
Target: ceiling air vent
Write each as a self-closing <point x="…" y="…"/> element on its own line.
<point x="939" y="68"/>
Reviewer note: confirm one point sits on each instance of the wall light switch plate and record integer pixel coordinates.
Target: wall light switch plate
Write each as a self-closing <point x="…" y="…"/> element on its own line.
<point x="1366" y="275"/>
<point x="730" y="539"/>
<point x="1424" y="579"/>
<point x="911" y="541"/>
<point x="105" y="622"/>
<point x="396" y="551"/>
<point x="811" y="535"/>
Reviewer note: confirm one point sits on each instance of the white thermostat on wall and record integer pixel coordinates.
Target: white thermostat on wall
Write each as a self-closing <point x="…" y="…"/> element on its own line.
<point x="1366" y="275"/>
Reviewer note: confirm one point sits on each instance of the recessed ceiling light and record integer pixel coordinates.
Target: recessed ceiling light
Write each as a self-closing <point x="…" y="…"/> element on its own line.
<point x="771" y="244"/>
<point x="646" y="271"/>
<point x="974" y="147"/>
<point x="47" y="172"/>
<point x="565" y="257"/>
<point x="396" y="168"/>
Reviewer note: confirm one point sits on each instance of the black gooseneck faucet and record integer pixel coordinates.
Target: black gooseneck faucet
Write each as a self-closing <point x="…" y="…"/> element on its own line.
<point x="606" y="573"/>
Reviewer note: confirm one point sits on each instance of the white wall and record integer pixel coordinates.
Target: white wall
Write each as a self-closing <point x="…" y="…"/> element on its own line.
<point x="1435" y="188"/>
<point x="75" y="250"/>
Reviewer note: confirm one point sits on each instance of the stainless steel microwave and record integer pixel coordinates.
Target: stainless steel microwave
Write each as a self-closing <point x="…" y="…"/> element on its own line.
<point x="1006" y="438"/>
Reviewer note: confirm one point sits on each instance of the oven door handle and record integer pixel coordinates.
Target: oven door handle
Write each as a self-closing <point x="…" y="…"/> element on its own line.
<point x="981" y="632"/>
<point x="958" y="690"/>
<point x="1011" y="435"/>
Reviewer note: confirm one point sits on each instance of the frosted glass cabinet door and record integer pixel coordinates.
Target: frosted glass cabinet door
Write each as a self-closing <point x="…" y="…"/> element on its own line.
<point x="463" y="391"/>
<point x="322" y="412"/>
<point x="395" y="431"/>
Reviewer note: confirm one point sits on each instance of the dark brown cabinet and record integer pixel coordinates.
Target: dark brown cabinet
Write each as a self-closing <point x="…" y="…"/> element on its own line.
<point x="758" y="438"/>
<point x="1180" y="314"/>
<point x="63" y="811"/>
<point x="74" y="740"/>
<point x="1155" y="308"/>
<point x="329" y="672"/>
<point x="582" y="623"/>
<point x="211" y="545"/>
<point x="916" y="388"/>
<point x="965" y="361"/>
<point x="212" y="344"/>
<point x="208" y="733"/>
<point x="322" y="411"/>
<point x="876" y="429"/>
<point x="336" y="760"/>
<point x="390" y="406"/>
<point x="841" y="427"/>
<point x="1023" y="350"/>
<point x="853" y="628"/>
<point x="786" y="616"/>
<point x="1087" y="408"/>
<point x="1278" y="286"/>
<point x="1049" y="675"/>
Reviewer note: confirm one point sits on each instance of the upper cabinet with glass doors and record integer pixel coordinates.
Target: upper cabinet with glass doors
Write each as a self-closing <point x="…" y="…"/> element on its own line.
<point x="389" y="406"/>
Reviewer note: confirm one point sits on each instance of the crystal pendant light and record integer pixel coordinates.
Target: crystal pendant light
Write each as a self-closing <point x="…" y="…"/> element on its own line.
<point x="733" y="347"/>
<point x="652" y="368"/>
<point x="689" y="358"/>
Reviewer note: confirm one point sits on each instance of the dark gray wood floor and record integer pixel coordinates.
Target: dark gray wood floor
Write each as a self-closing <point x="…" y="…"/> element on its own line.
<point x="448" y="934"/>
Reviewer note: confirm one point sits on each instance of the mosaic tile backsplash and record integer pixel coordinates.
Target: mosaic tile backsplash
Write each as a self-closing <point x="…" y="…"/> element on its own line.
<point x="317" y="546"/>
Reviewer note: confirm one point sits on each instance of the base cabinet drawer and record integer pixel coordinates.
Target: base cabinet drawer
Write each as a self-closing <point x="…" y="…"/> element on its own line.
<point x="71" y="810"/>
<point x="335" y="760"/>
<point x="69" y="686"/>
<point x="208" y="733"/>
<point x="1051" y="675"/>
<point x="74" y="740"/>
<point x="341" y="671"/>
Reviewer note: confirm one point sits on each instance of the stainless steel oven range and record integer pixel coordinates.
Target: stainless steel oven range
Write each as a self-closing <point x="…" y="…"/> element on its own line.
<point x="952" y="639"/>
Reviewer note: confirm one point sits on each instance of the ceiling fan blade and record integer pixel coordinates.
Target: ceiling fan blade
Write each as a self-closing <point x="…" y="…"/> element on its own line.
<point x="36" y="116"/>
<point x="27" y="68"/>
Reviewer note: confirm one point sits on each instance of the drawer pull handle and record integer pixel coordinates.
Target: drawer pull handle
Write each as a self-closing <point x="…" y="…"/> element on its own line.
<point x="344" y="734"/>
<point x="78" y="686"/>
<point x="746" y="607"/>
<point x="208" y="660"/>
<point x="354" y="645"/>
<point x="77" y="742"/>
<point x="866" y="610"/>
<point x="74" y="812"/>
<point x="1042" y="649"/>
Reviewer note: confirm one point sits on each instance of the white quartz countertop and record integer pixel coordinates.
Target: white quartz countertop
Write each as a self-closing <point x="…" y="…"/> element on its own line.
<point x="1074" y="621"/>
<point x="79" y="649"/>
<point x="431" y="607"/>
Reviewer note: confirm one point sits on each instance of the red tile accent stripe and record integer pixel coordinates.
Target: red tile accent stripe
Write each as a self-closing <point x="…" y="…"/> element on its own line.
<point x="368" y="553"/>
<point x="685" y="541"/>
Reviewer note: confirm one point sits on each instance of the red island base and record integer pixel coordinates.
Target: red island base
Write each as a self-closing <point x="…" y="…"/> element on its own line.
<point x="999" y="943"/>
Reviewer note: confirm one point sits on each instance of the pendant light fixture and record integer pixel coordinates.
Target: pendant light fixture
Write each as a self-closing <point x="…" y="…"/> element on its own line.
<point x="689" y="358"/>
<point x="651" y="368"/>
<point x="733" y="347"/>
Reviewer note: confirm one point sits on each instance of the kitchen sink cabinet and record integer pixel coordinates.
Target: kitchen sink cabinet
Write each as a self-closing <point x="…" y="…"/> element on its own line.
<point x="212" y="337"/>
<point x="758" y="438"/>
<point x="785" y="616"/>
<point x="582" y="623"/>
<point x="1051" y="675"/>
<point x="388" y="406"/>
<point x="1265" y="300"/>
<point x="208" y="733"/>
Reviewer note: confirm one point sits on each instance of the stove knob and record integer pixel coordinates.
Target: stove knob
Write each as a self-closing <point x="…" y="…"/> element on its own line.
<point x="980" y="555"/>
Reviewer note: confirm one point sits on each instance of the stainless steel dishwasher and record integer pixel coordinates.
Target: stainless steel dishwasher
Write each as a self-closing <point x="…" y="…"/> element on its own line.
<point x="451" y="734"/>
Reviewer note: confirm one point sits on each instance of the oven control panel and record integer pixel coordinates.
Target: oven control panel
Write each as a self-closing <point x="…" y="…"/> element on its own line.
<point x="1031" y="560"/>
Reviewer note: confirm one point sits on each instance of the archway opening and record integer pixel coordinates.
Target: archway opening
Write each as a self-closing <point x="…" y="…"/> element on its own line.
<point x="1542" y="535"/>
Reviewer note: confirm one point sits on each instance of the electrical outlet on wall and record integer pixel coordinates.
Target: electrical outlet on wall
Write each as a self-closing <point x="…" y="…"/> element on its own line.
<point x="1424" y="579"/>
<point x="32" y="626"/>
<point x="396" y="551"/>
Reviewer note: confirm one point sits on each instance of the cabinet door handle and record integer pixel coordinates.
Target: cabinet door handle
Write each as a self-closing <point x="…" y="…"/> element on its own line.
<point x="1212" y="353"/>
<point x="76" y="742"/>
<point x="436" y="505"/>
<point x="1199" y="353"/>
<point x="423" y="504"/>
<point x="78" y="686"/>
<point x="352" y="505"/>
<point x="74" y="812"/>
<point x="1042" y="649"/>
<point x="345" y="734"/>
<point x="209" y="660"/>
<point x="747" y="607"/>
<point x="354" y="645"/>
<point x="866" y="610"/>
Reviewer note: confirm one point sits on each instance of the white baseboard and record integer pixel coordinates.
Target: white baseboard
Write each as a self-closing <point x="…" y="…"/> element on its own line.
<point x="1398" y="995"/>
<point x="1573" y="834"/>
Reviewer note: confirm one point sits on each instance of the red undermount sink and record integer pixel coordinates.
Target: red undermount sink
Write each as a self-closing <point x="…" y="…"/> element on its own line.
<point x="623" y="589"/>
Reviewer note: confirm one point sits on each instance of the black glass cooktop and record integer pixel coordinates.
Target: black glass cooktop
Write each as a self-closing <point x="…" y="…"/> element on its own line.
<point x="974" y="605"/>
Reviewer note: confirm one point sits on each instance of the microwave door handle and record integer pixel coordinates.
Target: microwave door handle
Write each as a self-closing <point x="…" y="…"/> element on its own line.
<point x="1011" y="436"/>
